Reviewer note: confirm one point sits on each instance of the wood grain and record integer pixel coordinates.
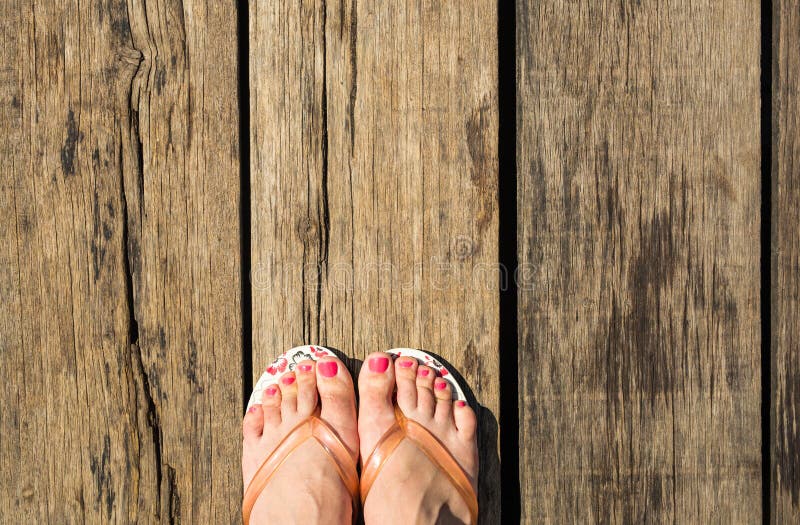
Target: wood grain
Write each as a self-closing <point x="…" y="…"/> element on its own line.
<point x="638" y="185"/>
<point x="785" y="419"/>
<point x="374" y="186"/>
<point x="75" y="447"/>
<point x="119" y="315"/>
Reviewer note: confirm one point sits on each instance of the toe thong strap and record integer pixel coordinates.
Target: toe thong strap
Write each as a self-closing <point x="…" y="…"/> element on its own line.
<point x="315" y="428"/>
<point x="436" y="452"/>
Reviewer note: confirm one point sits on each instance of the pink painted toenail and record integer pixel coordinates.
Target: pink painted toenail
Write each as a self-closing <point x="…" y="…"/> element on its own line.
<point x="252" y="409"/>
<point x="379" y="364"/>
<point x="423" y="372"/>
<point x="288" y="380"/>
<point x="461" y="403"/>
<point x="406" y="364"/>
<point x="440" y="386"/>
<point x="304" y="367"/>
<point x="271" y="391"/>
<point x="328" y="368"/>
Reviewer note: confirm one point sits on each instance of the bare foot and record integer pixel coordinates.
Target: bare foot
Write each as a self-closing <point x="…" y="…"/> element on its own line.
<point x="307" y="487"/>
<point x="410" y="488"/>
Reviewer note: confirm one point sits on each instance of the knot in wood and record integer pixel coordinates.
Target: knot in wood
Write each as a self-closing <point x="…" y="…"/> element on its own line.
<point x="306" y="229"/>
<point x="463" y="248"/>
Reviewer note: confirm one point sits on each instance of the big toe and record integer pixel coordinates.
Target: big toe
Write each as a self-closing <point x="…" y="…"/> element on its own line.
<point x="338" y="400"/>
<point x="376" y="384"/>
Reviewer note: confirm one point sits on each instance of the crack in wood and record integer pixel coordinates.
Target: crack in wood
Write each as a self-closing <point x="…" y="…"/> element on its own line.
<point x="324" y="234"/>
<point x="353" y="72"/>
<point x="131" y="232"/>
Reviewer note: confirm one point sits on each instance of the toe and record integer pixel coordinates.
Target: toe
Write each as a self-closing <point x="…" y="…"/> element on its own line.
<point x="338" y="400"/>
<point x="405" y="371"/>
<point x="376" y="382"/>
<point x="253" y="423"/>
<point x="376" y="408"/>
<point x="426" y="402"/>
<point x="271" y="404"/>
<point x="444" y="401"/>
<point x="288" y="386"/>
<point x="306" y="388"/>
<point x="466" y="420"/>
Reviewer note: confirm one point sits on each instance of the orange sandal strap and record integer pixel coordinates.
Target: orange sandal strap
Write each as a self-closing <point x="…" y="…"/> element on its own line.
<point x="436" y="452"/>
<point x="315" y="428"/>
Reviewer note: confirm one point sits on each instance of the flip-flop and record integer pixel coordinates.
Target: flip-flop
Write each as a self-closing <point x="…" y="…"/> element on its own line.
<point x="404" y="428"/>
<point x="312" y="427"/>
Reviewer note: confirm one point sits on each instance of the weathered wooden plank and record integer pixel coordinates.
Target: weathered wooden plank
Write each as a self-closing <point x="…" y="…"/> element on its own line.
<point x="119" y="317"/>
<point x="73" y="445"/>
<point x="785" y="373"/>
<point x="182" y="192"/>
<point x="638" y="165"/>
<point x="374" y="185"/>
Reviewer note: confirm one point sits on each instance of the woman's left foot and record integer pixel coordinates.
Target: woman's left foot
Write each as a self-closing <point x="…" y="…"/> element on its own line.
<point x="306" y="488"/>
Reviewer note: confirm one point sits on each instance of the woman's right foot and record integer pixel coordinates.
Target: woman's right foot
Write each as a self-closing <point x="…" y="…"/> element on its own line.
<point x="409" y="487"/>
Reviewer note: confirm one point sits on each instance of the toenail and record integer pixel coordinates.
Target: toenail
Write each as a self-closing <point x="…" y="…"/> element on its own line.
<point x="379" y="364"/>
<point x="271" y="391"/>
<point x="328" y="368"/>
<point x="252" y="409"/>
<point x="288" y="380"/>
<point x="441" y="386"/>
<point x="461" y="403"/>
<point x="304" y="367"/>
<point x="423" y="372"/>
<point x="406" y="364"/>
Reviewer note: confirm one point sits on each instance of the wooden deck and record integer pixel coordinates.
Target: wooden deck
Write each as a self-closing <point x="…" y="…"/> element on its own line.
<point x="590" y="209"/>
